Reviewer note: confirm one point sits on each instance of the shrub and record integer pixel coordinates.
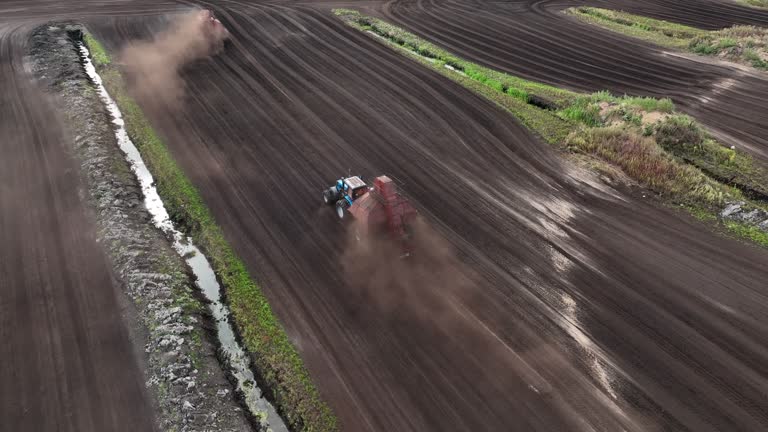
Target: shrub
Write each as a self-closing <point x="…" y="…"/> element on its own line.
<point x="680" y="134"/>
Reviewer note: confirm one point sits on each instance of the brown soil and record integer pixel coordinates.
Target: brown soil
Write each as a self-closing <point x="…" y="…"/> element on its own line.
<point x="575" y="306"/>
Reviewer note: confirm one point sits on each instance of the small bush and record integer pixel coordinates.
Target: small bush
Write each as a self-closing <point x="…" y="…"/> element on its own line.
<point x="680" y="134"/>
<point x="648" y="130"/>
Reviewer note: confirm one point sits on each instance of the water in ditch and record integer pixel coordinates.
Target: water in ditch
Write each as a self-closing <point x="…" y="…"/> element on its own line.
<point x="239" y="363"/>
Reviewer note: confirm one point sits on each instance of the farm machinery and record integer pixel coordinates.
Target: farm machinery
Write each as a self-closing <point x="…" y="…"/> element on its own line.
<point x="211" y="27"/>
<point x="380" y="209"/>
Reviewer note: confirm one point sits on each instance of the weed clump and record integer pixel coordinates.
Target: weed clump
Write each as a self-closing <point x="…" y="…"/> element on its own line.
<point x="680" y="135"/>
<point x="643" y="160"/>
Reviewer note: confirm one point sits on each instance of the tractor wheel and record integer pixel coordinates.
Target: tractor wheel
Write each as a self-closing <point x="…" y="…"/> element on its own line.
<point x="330" y="196"/>
<point x="341" y="208"/>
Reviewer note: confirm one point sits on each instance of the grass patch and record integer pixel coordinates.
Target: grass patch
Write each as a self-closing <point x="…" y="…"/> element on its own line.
<point x="664" y="151"/>
<point x="748" y="232"/>
<point x="99" y="55"/>
<point x="743" y="44"/>
<point x="755" y="3"/>
<point x="275" y="358"/>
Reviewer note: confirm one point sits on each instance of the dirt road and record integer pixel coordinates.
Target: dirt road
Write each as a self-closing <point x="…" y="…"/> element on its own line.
<point x="67" y="363"/>
<point x="570" y="306"/>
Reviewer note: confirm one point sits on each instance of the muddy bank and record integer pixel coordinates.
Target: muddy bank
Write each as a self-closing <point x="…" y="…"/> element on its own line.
<point x="174" y="330"/>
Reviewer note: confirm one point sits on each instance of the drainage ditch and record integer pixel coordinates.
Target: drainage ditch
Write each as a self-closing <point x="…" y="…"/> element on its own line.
<point x="237" y="361"/>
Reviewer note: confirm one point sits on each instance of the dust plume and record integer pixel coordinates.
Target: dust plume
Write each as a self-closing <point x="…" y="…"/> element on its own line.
<point x="153" y="67"/>
<point x="438" y="301"/>
<point x="374" y="267"/>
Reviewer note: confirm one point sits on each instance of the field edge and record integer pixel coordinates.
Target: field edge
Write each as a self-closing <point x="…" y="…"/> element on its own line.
<point x="283" y="375"/>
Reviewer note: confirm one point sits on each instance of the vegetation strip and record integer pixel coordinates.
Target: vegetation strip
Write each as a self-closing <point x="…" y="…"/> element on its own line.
<point x="235" y="358"/>
<point x="742" y="43"/>
<point x="762" y="4"/>
<point x="277" y="363"/>
<point x="667" y="152"/>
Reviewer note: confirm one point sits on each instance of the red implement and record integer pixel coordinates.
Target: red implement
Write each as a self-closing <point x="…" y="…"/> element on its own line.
<point x="212" y="26"/>
<point x="383" y="209"/>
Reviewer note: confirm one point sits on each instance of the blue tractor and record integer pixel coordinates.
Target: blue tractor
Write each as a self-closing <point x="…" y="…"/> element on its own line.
<point x="344" y="193"/>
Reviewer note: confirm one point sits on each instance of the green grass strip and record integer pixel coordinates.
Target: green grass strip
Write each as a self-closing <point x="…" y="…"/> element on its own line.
<point x="662" y="33"/>
<point x="763" y="4"/>
<point x="275" y="358"/>
<point x="99" y="55"/>
<point x="512" y="93"/>
<point x="518" y="86"/>
<point x="748" y="232"/>
<point x="743" y="44"/>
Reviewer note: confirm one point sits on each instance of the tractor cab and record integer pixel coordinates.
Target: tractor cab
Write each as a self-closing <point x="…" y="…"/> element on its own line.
<point x="344" y="193"/>
<point x="377" y="209"/>
<point x="354" y="187"/>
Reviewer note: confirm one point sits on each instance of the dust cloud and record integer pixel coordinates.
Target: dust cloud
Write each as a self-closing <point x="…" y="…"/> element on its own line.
<point x="374" y="267"/>
<point x="153" y="67"/>
<point x="437" y="299"/>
